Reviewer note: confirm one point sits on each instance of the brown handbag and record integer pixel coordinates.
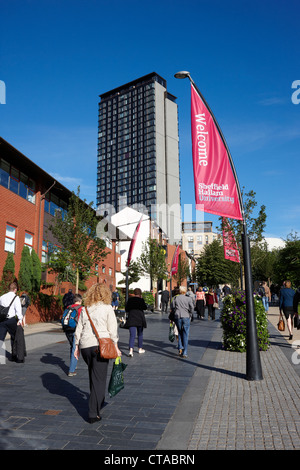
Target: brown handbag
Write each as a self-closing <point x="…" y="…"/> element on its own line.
<point x="107" y="348"/>
<point x="281" y="324"/>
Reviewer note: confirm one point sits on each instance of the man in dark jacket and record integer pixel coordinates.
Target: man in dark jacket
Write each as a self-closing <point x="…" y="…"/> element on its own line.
<point x="68" y="299"/>
<point x="164" y="300"/>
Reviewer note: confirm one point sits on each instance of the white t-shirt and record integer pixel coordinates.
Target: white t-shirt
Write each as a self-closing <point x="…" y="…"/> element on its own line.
<point x="15" y="308"/>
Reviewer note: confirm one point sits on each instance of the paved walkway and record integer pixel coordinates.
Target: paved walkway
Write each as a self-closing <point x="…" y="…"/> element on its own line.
<point x="169" y="403"/>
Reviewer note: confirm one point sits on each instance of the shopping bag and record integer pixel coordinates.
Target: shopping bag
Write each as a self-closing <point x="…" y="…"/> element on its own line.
<point x="116" y="382"/>
<point x="171" y="333"/>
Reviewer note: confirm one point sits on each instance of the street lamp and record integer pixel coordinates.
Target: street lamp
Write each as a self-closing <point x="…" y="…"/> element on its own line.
<point x="253" y="364"/>
<point x="182" y="74"/>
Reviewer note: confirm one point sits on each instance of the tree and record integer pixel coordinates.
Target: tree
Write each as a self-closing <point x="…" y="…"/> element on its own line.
<point x="153" y="260"/>
<point x="255" y="223"/>
<point x="183" y="270"/>
<point x="25" y="272"/>
<point x="76" y="234"/>
<point x="36" y="271"/>
<point x="8" y="273"/>
<point x="287" y="265"/>
<point x="213" y="269"/>
<point x="134" y="273"/>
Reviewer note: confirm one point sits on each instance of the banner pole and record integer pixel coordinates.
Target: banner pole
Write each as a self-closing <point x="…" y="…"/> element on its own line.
<point x="253" y="363"/>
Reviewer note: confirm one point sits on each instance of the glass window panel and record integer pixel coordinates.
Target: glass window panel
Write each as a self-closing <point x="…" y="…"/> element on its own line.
<point x="10" y="231"/>
<point x="14" y="185"/>
<point x="28" y="239"/>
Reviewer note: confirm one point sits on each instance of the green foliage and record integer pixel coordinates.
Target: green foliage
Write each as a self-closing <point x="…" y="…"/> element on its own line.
<point x="233" y="321"/>
<point x="153" y="260"/>
<point x="134" y="273"/>
<point x="77" y="236"/>
<point x="8" y="273"/>
<point x="36" y="272"/>
<point x="25" y="272"/>
<point x="213" y="269"/>
<point x="148" y="298"/>
<point x="287" y="265"/>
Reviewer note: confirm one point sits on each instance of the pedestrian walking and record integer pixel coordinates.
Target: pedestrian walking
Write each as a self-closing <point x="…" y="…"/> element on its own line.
<point x="25" y="302"/>
<point x="286" y="299"/>
<point x="14" y="316"/>
<point x="226" y="290"/>
<point x="200" y="303"/>
<point x="136" y="321"/>
<point x="183" y="307"/>
<point x="98" y="302"/>
<point x="115" y="300"/>
<point x="211" y="302"/>
<point x="68" y="299"/>
<point x="267" y="296"/>
<point x="70" y="322"/>
<point x="165" y="295"/>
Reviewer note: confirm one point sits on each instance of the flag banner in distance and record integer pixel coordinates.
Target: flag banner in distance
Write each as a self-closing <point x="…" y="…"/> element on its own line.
<point x="231" y="250"/>
<point x="133" y="242"/>
<point x="174" y="267"/>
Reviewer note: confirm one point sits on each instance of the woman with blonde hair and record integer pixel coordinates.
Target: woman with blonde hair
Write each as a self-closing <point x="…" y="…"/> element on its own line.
<point x="98" y="304"/>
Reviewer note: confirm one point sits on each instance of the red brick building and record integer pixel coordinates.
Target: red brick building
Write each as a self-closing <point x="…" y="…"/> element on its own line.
<point x="29" y="198"/>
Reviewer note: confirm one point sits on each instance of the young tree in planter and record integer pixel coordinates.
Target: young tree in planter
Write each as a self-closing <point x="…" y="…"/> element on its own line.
<point x="76" y="234"/>
<point x="134" y="273"/>
<point x="8" y="273"/>
<point x="183" y="269"/>
<point x="153" y="260"/>
<point x="36" y="272"/>
<point x="25" y="272"/>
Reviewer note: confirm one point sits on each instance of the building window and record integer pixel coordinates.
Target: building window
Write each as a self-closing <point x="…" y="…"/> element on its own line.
<point x="28" y="241"/>
<point x="103" y="269"/>
<point x="10" y="239"/>
<point x="16" y="181"/>
<point x="45" y="252"/>
<point x="110" y="271"/>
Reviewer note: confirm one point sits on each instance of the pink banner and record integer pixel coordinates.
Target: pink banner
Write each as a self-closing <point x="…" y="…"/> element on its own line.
<point x="231" y="250"/>
<point x="133" y="242"/>
<point x="174" y="267"/>
<point x="215" y="186"/>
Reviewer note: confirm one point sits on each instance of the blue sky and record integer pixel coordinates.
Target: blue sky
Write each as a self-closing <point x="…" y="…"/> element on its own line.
<point x="57" y="56"/>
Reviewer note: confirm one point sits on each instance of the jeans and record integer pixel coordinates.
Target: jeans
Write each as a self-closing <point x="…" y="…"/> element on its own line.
<point x="183" y="326"/>
<point x="132" y="332"/>
<point x="265" y="301"/>
<point x="73" y="360"/>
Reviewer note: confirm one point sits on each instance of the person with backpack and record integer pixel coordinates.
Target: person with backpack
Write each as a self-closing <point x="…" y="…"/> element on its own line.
<point x="115" y="300"/>
<point x="14" y="316"/>
<point x="69" y="322"/>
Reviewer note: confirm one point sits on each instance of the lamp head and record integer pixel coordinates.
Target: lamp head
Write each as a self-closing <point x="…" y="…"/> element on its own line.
<point x="182" y="74"/>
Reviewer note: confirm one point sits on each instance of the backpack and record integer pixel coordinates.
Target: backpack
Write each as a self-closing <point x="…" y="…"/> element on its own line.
<point x="70" y="318"/>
